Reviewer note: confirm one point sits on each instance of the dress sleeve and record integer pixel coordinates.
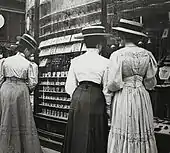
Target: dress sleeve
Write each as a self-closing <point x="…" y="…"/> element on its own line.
<point x="32" y="76"/>
<point x="71" y="82"/>
<point x="2" y="77"/>
<point x="115" y="81"/>
<point x="150" y="79"/>
<point x="108" y="95"/>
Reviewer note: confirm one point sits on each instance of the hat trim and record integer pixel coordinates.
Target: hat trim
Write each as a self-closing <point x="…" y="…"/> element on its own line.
<point x="20" y="37"/>
<point x="93" y="34"/>
<point x="129" y="31"/>
<point x="131" y="22"/>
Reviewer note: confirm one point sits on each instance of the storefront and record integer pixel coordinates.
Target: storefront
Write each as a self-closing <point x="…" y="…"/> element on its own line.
<point x="59" y="22"/>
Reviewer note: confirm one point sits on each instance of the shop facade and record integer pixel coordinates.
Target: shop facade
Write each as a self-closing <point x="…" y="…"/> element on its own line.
<point x="59" y="22"/>
<point x="13" y="13"/>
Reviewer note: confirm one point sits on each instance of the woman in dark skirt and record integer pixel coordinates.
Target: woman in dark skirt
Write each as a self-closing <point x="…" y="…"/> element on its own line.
<point x="87" y="128"/>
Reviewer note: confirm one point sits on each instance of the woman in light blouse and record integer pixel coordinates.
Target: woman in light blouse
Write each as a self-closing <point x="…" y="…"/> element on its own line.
<point x="18" y="133"/>
<point x="131" y="73"/>
<point x="87" y="127"/>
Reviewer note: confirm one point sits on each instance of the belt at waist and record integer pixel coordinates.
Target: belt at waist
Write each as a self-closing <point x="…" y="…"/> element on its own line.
<point x="15" y="79"/>
<point x="133" y="81"/>
<point x="89" y="83"/>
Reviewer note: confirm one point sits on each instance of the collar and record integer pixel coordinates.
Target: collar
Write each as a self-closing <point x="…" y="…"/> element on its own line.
<point x="21" y="54"/>
<point x="130" y="44"/>
<point x="92" y="50"/>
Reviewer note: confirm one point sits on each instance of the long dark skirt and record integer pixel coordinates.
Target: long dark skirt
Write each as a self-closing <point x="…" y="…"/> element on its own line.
<point x="87" y="127"/>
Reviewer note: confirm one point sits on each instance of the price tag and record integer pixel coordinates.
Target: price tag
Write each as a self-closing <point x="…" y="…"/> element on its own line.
<point x="165" y="33"/>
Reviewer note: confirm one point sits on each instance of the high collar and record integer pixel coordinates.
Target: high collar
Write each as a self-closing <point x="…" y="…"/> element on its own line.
<point x="129" y="44"/>
<point x="93" y="50"/>
<point x="21" y="54"/>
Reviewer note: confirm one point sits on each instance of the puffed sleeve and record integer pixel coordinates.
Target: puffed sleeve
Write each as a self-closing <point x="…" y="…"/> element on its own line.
<point x="108" y="95"/>
<point x="2" y="71"/>
<point x="150" y="79"/>
<point x="35" y="67"/>
<point x="115" y="81"/>
<point x="71" y="82"/>
<point x="32" y="76"/>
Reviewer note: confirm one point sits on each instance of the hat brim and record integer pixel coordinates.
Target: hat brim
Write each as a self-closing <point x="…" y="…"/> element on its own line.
<point x="20" y="37"/>
<point x="129" y="31"/>
<point x="93" y="34"/>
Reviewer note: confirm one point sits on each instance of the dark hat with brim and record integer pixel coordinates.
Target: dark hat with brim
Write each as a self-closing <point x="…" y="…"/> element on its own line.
<point x="131" y="27"/>
<point x="93" y="31"/>
<point x="28" y="39"/>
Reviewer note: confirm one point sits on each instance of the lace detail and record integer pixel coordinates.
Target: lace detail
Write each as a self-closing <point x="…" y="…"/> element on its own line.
<point x="134" y="81"/>
<point x="135" y="62"/>
<point x="133" y="137"/>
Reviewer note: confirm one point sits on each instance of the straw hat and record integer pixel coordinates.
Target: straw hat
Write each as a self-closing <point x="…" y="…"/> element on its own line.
<point x="93" y="31"/>
<point x="129" y="26"/>
<point x="28" y="39"/>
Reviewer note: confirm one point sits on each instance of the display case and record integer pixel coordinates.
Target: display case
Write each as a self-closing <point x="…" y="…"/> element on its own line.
<point x="53" y="102"/>
<point x="56" y="21"/>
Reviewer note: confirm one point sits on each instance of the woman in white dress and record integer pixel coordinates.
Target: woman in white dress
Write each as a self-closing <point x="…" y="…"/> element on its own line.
<point x="131" y="72"/>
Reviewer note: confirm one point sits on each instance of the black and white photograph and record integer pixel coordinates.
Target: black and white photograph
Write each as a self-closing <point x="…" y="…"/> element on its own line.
<point x="84" y="76"/>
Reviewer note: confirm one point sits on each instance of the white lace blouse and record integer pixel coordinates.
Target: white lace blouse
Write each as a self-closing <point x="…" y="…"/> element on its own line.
<point x="131" y="61"/>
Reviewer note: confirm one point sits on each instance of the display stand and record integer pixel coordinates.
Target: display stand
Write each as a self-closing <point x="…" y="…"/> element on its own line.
<point x="54" y="102"/>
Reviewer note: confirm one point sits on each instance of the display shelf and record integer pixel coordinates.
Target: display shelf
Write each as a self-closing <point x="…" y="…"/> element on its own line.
<point x="54" y="117"/>
<point x="54" y="102"/>
<point x="50" y="85"/>
<point x="69" y="30"/>
<point x="53" y="77"/>
<point x="60" y="49"/>
<point x="53" y="92"/>
<point x="69" y="19"/>
<point x="64" y="108"/>
<point x="56" y="41"/>
<point x="50" y="136"/>
<point x="93" y="2"/>
<point x="66" y="40"/>
<point x="49" y="140"/>
<point x="61" y="101"/>
<point x="57" y="98"/>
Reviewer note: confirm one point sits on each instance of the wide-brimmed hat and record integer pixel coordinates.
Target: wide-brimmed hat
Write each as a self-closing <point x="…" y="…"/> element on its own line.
<point x="129" y="26"/>
<point x="28" y="39"/>
<point x="93" y="31"/>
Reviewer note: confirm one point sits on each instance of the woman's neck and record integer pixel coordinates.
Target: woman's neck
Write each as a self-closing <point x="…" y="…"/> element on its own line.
<point x="129" y="44"/>
<point x="93" y="50"/>
<point x="20" y="53"/>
